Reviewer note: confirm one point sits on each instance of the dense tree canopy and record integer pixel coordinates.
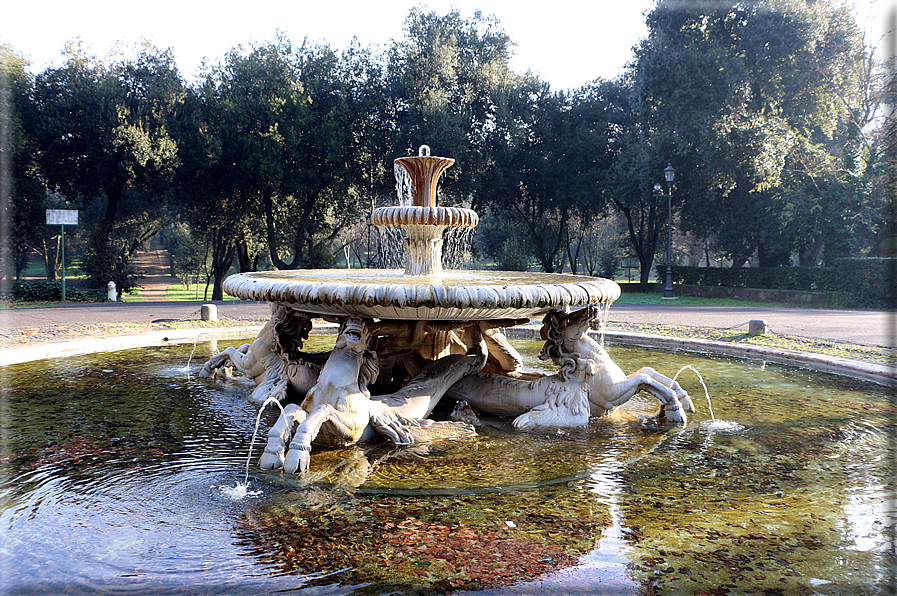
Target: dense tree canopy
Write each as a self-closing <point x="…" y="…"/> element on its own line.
<point x="768" y="109"/>
<point x="762" y="105"/>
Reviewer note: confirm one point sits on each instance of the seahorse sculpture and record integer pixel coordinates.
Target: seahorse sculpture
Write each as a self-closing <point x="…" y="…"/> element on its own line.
<point x="588" y="383"/>
<point x="339" y="409"/>
<point x="274" y="360"/>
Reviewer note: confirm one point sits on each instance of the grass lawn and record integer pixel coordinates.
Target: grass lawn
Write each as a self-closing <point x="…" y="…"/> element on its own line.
<point x="193" y="292"/>
<point x="135" y="295"/>
<point x="657" y="298"/>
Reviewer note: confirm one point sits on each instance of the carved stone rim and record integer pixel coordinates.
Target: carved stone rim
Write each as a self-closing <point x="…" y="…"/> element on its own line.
<point x="450" y="217"/>
<point x="419" y="301"/>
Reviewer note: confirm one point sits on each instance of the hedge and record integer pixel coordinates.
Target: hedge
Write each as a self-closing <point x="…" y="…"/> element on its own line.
<point x="865" y="283"/>
<point x="44" y="290"/>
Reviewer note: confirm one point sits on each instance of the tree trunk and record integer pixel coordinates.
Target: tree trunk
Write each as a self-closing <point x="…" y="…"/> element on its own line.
<point x="810" y="256"/>
<point x="222" y="257"/>
<point x="573" y="257"/>
<point x="243" y="256"/>
<point x="643" y="235"/>
<point x="48" y="252"/>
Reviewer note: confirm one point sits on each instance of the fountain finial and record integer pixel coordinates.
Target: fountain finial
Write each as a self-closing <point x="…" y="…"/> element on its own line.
<point x="425" y="170"/>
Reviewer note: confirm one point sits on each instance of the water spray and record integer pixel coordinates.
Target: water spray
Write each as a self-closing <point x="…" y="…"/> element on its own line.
<point x="701" y="379"/>
<point x="193" y="351"/>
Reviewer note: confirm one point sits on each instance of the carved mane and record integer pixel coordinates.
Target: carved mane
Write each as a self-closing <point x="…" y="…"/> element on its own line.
<point x="291" y="328"/>
<point x="556" y="345"/>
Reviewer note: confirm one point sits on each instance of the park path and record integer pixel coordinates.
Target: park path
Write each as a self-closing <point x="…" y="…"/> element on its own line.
<point x="152" y="269"/>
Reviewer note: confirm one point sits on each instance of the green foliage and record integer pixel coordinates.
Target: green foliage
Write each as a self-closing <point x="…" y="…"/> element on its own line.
<point x="767" y="109"/>
<point x="871" y="282"/>
<point x="189" y="259"/>
<point x="513" y="256"/>
<point x="101" y="132"/>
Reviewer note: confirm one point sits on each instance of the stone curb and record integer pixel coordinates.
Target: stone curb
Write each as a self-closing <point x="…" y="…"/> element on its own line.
<point x="876" y="373"/>
<point x="113" y="343"/>
<point x="885" y="375"/>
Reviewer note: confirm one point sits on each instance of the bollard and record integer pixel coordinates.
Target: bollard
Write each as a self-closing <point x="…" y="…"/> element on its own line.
<point x="110" y="292"/>
<point x="209" y="312"/>
<point x="758" y="327"/>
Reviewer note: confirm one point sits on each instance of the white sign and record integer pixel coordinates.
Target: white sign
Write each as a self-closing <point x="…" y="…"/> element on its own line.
<point x="62" y="217"/>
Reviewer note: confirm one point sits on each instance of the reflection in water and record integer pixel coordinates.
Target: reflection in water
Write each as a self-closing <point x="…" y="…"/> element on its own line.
<point x="130" y="489"/>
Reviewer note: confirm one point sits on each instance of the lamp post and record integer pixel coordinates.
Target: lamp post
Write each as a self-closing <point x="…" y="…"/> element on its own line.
<point x="668" y="174"/>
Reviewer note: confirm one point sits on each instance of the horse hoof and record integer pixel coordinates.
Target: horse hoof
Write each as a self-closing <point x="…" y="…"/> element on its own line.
<point x="291" y="461"/>
<point x="677" y="416"/>
<point x="271" y="460"/>
<point x="296" y="459"/>
<point x="687" y="404"/>
<point x="524" y="421"/>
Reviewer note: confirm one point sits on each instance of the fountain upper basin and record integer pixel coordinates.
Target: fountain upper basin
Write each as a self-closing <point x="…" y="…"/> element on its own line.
<point x="390" y="294"/>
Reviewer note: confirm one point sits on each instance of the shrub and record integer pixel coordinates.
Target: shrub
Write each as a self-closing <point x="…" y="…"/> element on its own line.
<point x="866" y="283"/>
<point x="44" y="290"/>
<point x="513" y="256"/>
<point x="871" y="282"/>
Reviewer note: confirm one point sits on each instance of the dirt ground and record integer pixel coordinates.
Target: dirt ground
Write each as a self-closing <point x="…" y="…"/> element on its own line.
<point x="152" y="267"/>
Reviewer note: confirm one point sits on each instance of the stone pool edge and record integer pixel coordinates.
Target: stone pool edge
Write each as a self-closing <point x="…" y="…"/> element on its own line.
<point x="876" y="373"/>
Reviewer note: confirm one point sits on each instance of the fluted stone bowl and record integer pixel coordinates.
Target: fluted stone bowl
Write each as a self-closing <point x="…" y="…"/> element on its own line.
<point x="389" y="294"/>
<point x="450" y="217"/>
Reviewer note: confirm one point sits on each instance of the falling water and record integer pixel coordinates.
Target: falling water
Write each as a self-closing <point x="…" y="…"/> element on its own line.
<point x="392" y="247"/>
<point x="456" y="247"/>
<point x="701" y="379"/>
<point x="392" y="240"/>
<point x="599" y="323"/>
<point x="404" y="189"/>
<point x="195" y="340"/>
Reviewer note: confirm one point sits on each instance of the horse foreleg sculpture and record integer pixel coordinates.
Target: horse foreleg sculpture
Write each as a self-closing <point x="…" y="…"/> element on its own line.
<point x="589" y="383"/>
<point x="274" y="359"/>
<point x="339" y="410"/>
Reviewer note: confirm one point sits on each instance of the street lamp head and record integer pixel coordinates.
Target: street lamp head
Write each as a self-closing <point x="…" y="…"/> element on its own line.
<point x="669" y="173"/>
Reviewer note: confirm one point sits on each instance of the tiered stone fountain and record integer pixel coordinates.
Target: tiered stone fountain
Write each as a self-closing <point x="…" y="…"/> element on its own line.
<point x="424" y="221"/>
<point x="409" y="338"/>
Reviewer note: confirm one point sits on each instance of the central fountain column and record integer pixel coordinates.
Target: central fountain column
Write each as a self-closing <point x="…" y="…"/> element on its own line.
<point x="423" y="249"/>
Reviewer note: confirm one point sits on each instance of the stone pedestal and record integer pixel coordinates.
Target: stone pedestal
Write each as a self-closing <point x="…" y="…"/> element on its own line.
<point x="209" y="312"/>
<point x="758" y="327"/>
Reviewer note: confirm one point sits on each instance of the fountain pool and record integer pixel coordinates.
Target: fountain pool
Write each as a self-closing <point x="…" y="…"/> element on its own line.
<point x="119" y="469"/>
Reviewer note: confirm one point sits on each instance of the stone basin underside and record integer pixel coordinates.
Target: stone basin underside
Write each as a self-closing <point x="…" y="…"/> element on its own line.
<point x="389" y="294"/>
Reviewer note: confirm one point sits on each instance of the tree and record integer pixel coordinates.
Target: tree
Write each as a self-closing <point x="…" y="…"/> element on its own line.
<point x="749" y="100"/>
<point x="22" y="207"/>
<point x="549" y="159"/>
<point x="448" y="78"/>
<point x="102" y="136"/>
<point x="207" y="189"/>
<point x="285" y="126"/>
